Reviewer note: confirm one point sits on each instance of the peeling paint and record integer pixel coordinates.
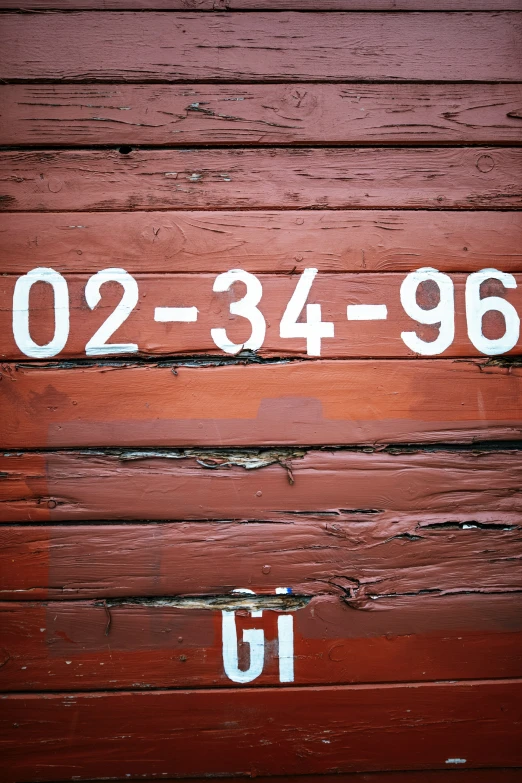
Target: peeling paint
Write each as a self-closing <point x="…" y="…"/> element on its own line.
<point x="218" y="459"/>
<point x="249" y="603"/>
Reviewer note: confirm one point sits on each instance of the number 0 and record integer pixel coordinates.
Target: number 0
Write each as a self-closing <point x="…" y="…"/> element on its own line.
<point x="21" y="333"/>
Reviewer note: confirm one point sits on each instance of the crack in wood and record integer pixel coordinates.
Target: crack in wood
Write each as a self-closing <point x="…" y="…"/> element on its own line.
<point x="248" y="603"/>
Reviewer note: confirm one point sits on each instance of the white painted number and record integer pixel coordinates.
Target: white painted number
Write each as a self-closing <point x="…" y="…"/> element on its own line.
<point x="285" y="635"/>
<point x="476" y="308"/>
<point x="255" y="638"/>
<point x="245" y="307"/>
<point x="97" y="345"/>
<point x="313" y="329"/>
<point x="443" y="313"/>
<point x="21" y="333"/>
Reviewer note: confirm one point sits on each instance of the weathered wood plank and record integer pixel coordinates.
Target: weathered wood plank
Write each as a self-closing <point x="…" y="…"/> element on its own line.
<point x="64" y="645"/>
<point x="352" y="338"/>
<point x="310" y="402"/>
<point x="332" y="241"/>
<point x="265" y="5"/>
<point x="90" y="114"/>
<point x="349" y="728"/>
<point x="457" y="178"/>
<point x="262" y="46"/>
<point x="367" y="560"/>
<point x="387" y="493"/>
<point x="426" y="776"/>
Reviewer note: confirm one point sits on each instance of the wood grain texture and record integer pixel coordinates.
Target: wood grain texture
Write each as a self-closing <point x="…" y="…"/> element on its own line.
<point x="168" y="115"/>
<point x="426" y="776"/>
<point x="404" y="564"/>
<point x="264" y="5"/>
<point x="66" y="645"/>
<point x="387" y="493"/>
<point x="287" y="403"/>
<point x="262" y="47"/>
<point x="365" y="727"/>
<point x="332" y="241"/>
<point x="352" y="339"/>
<point x="345" y="555"/>
<point x="457" y="178"/>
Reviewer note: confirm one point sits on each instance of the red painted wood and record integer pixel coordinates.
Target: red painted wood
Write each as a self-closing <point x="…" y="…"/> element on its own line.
<point x="313" y="402"/>
<point x="457" y="178"/>
<point x="332" y="241"/>
<point x="267" y="5"/>
<point x="365" y="728"/>
<point x="429" y="541"/>
<point x="426" y="776"/>
<point x="68" y="645"/>
<point x="387" y="493"/>
<point x="261" y="46"/>
<point x="259" y="114"/>
<point x="367" y="562"/>
<point x="353" y="339"/>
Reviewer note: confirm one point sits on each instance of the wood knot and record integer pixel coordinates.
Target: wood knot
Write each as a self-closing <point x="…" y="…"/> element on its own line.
<point x="54" y="185"/>
<point x="485" y="163"/>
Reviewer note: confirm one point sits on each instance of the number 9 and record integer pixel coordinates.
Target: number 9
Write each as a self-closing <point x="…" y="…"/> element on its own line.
<point x="443" y="313"/>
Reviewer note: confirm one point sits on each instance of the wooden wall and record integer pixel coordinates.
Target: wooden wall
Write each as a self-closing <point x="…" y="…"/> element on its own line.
<point x="361" y="477"/>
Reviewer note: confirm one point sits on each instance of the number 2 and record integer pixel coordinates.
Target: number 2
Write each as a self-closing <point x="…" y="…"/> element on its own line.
<point x="97" y="345"/>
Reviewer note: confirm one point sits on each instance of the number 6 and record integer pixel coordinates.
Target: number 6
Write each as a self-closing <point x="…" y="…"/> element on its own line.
<point x="476" y="308"/>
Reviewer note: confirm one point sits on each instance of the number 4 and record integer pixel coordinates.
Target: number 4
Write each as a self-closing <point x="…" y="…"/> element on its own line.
<point x="313" y="329"/>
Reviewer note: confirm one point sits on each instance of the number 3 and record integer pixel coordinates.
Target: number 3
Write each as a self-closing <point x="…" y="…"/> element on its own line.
<point x="245" y="307"/>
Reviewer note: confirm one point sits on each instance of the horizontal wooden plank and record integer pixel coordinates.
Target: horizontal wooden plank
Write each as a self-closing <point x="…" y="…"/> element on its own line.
<point x="332" y="241"/>
<point x="261" y="47"/>
<point x="365" y="561"/>
<point x="426" y="776"/>
<point x="69" y="645"/>
<point x="352" y="338"/>
<point x="353" y="558"/>
<point x="387" y="493"/>
<point x="457" y="178"/>
<point x="90" y="114"/>
<point x="310" y="402"/>
<point x="308" y="730"/>
<point x="265" y="5"/>
<point x="349" y="561"/>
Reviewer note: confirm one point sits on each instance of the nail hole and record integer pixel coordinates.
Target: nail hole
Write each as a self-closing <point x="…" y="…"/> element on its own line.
<point x="125" y="149"/>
